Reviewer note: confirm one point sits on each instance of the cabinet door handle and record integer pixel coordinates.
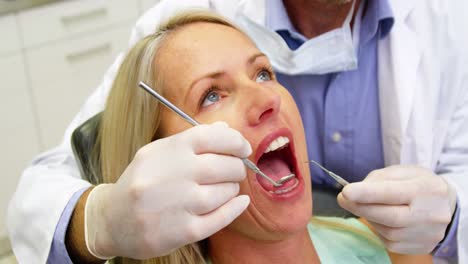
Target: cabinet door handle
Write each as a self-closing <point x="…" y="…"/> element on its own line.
<point x="79" y="55"/>
<point x="90" y="14"/>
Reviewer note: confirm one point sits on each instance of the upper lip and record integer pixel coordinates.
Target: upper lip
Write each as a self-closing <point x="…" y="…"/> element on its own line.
<point x="283" y="132"/>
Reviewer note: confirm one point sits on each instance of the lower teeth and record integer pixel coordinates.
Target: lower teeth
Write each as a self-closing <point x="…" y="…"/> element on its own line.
<point x="281" y="191"/>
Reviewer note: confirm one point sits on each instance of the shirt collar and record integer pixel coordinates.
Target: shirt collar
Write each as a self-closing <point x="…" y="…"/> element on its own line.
<point x="378" y="16"/>
<point x="277" y="17"/>
<point x="378" y="13"/>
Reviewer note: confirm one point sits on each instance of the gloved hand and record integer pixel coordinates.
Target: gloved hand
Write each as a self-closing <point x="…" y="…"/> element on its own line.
<point x="408" y="206"/>
<point x="176" y="191"/>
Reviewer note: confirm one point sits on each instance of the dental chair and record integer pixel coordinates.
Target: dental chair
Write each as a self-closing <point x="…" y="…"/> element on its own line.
<point x="84" y="139"/>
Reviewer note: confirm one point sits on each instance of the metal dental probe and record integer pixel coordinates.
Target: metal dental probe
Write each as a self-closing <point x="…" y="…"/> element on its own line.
<point x="337" y="178"/>
<point x="193" y="122"/>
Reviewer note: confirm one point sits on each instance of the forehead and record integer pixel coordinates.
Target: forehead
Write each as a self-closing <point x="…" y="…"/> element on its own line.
<point x="203" y="47"/>
<point x="203" y="38"/>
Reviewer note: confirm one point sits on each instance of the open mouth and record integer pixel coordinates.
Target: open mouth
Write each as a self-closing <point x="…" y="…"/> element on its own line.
<point x="277" y="160"/>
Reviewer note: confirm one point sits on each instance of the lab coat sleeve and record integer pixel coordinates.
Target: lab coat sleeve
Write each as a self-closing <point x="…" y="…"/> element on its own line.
<point x="49" y="182"/>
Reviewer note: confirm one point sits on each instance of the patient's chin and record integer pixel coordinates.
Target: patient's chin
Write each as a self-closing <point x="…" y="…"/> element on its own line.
<point x="272" y="217"/>
<point x="292" y="222"/>
<point x="273" y="224"/>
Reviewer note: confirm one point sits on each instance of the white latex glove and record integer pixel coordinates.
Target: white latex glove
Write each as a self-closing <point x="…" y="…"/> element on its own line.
<point x="408" y="206"/>
<point x="176" y="191"/>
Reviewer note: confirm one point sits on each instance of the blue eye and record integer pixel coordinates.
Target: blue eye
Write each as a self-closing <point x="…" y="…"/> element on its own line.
<point x="211" y="98"/>
<point x="263" y="76"/>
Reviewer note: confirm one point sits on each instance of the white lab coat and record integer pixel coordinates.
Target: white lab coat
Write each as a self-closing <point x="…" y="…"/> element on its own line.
<point x="423" y="84"/>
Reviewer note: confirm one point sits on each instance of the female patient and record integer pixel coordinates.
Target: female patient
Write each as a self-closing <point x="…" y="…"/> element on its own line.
<point x="212" y="71"/>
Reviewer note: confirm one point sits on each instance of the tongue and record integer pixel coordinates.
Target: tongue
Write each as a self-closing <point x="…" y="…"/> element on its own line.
<point x="275" y="168"/>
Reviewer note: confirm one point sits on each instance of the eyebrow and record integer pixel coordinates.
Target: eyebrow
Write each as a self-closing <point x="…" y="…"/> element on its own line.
<point x="217" y="74"/>
<point x="254" y="57"/>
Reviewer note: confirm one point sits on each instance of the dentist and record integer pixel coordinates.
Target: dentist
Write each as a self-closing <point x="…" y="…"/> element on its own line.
<point x="382" y="87"/>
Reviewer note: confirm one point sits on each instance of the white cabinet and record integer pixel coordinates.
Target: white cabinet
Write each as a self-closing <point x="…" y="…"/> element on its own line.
<point x="19" y="141"/>
<point x="63" y="75"/>
<point x="70" y="18"/>
<point x="10" y="42"/>
<point x="68" y="47"/>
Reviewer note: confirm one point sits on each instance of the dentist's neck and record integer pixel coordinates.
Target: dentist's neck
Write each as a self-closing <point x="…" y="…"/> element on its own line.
<point x="315" y="17"/>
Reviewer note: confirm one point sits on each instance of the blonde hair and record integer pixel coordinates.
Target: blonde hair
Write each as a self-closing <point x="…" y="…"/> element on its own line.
<point x="131" y="116"/>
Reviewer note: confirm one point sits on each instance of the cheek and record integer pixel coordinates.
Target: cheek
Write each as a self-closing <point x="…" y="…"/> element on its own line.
<point x="226" y="112"/>
<point x="293" y="117"/>
<point x="170" y="124"/>
<point x="289" y="106"/>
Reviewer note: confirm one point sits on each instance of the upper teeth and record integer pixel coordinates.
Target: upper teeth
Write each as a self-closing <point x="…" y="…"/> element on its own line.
<point x="280" y="142"/>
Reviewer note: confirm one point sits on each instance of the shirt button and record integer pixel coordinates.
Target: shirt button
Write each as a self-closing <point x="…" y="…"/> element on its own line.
<point x="336" y="137"/>
<point x="445" y="249"/>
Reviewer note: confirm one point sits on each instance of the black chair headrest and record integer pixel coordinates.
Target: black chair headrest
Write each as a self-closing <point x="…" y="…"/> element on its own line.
<point x="83" y="143"/>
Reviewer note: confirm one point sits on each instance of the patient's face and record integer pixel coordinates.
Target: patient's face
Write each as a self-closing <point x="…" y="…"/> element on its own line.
<point x="245" y="94"/>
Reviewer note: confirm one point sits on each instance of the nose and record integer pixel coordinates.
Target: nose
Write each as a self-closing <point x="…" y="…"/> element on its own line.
<point x="263" y="104"/>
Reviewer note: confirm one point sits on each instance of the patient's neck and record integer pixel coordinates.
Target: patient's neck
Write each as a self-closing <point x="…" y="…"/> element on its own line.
<point x="226" y="247"/>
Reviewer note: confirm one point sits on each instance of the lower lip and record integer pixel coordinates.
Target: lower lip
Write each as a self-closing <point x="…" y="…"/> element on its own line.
<point x="295" y="183"/>
<point x="291" y="193"/>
